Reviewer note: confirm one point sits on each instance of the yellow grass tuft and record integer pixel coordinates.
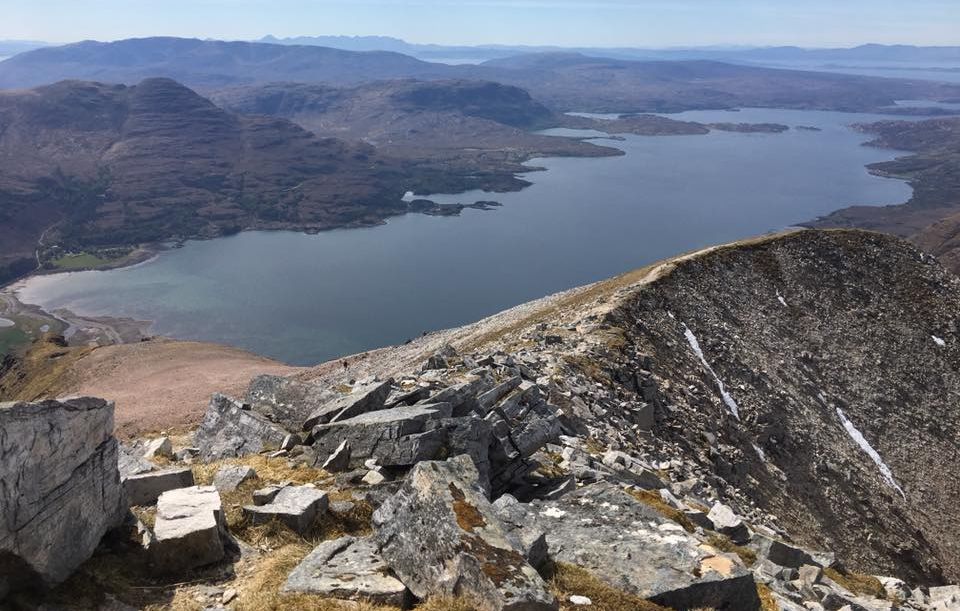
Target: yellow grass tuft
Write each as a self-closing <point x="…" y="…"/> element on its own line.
<point x="651" y="498"/>
<point x="767" y="600"/>
<point x="724" y="544"/>
<point x="567" y="580"/>
<point x="857" y="583"/>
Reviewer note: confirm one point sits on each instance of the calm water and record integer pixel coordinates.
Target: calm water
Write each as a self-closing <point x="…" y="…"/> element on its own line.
<point x="307" y="298"/>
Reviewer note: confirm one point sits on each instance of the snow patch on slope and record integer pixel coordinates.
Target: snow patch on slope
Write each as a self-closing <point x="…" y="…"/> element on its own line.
<point x="861" y="441"/>
<point x="695" y="346"/>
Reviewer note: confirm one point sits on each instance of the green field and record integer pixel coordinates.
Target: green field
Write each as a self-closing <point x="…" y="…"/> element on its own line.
<point x="12" y="339"/>
<point x="83" y="261"/>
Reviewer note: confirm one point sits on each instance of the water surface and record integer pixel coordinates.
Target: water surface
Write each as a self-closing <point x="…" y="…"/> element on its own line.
<point x="307" y="298"/>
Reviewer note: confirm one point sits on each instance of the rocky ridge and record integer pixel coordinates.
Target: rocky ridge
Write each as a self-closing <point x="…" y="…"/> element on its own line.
<point x="757" y="426"/>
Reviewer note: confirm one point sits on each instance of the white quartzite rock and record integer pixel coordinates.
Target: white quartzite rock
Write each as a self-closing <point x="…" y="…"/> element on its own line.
<point x="295" y="506"/>
<point x="146" y="488"/>
<point x="189" y="529"/>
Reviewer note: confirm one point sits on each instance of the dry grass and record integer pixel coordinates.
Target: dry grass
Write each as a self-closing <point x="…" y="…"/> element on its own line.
<point x="567" y="580"/>
<point x="551" y="468"/>
<point x="651" y="498"/>
<point x="857" y="583"/>
<point x="446" y="603"/>
<point x="767" y="600"/>
<point x="42" y="372"/>
<point x="724" y="544"/>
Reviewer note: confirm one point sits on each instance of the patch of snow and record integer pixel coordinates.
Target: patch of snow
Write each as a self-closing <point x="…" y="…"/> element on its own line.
<point x="408" y="197"/>
<point x="580" y="600"/>
<point x="939" y="341"/>
<point x="670" y="314"/>
<point x="861" y="441"/>
<point x="760" y="452"/>
<point x="780" y="298"/>
<point x="695" y="346"/>
<point x="553" y="512"/>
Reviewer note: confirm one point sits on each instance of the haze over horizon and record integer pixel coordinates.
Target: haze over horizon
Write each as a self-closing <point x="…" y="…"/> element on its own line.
<point x="627" y="23"/>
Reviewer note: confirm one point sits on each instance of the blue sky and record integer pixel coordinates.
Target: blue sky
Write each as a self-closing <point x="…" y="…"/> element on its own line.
<point x="643" y="23"/>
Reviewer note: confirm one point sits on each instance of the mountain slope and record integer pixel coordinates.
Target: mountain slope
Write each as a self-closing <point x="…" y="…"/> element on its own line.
<point x="563" y="81"/>
<point x="121" y="165"/>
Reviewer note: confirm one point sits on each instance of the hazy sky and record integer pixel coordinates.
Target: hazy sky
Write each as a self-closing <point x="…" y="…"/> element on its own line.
<point x="644" y="23"/>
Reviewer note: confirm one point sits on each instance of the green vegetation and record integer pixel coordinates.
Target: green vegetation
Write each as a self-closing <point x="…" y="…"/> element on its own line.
<point x="81" y="261"/>
<point x="12" y="339"/>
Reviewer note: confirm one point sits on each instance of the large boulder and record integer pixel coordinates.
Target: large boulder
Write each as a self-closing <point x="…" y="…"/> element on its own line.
<point x="363" y="398"/>
<point x="347" y="568"/>
<point x="441" y="536"/>
<point x="229" y="429"/>
<point x="394" y="437"/>
<point x="189" y="530"/>
<point x="285" y="401"/>
<point x="59" y="487"/>
<point x="634" y="548"/>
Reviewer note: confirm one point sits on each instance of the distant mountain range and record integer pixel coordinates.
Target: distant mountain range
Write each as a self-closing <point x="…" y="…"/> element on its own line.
<point x="562" y="81"/>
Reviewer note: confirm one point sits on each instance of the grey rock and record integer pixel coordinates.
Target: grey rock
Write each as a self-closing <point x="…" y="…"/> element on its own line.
<point x="290" y="442"/>
<point x="189" y="529"/>
<point x="634" y="548"/>
<point x="463" y="397"/>
<point x="728" y="523"/>
<point x="339" y="459"/>
<point x="490" y="398"/>
<point x="780" y="552"/>
<point x="265" y="495"/>
<point x="441" y="536"/>
<point x="394" y="437"/>
<point x="229" y="431"/>
<point x="286" y="402"/>
<point x="295" y="506"/>
<point x="698" y="518"/>
<point x="230" y="477"/>
<point x="146" y="488"/>
<point x="362" y="399"/>
<point x="533" y="541"/>
<point x="158" y="447"/>
<point x="372" y="478"/>
<point x="347" y="568"/>
<point x="131" y="462"/>
<point x="59" y="487"/>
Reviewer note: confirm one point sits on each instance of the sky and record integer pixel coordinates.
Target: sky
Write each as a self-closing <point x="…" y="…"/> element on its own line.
<point x="637" y="23"/>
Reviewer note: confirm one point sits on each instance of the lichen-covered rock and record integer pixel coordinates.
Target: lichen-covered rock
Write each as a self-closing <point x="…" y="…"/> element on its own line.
<point x="441" y="536"/>
<point x="59" y="487"/>
<point x="228" y="430"/>
<point x="634" y="548"/>
<point x="348" y="568"/>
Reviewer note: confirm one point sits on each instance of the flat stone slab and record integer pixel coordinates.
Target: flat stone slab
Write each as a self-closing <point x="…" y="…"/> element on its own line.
<point x="394" y="437"/>
<point x="295" y="506"/>
<point x="347" y="568"/>
<point x="230" y="478"/>
<point x="146" y="488"/>
<point x="634" y="548"/>
<point x="189" y="529"/>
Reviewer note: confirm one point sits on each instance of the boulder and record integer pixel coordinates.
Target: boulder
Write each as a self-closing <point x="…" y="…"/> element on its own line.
<point x="189" y="529"/>
<point x="394" y="437"/>
<point x="339" y="459"/>
<point x="230" y="477"/>
<point x="463" y="397"/>
<point x="265" y="495"/>
<point x="131" y="462"/>
<point x="362" y="399"/>
<point x="146" y="488"/>
<point x="780" y="552"/>
<point x="533" y="541"/>
<point x="634" y="548"/>
<point x="286" y="402"/>
<point x="229" y="430"/>
<point x="347" y="568"/>
<point x="295" y="506"/>
<point x="728" y="523"/>
<point x="59" y="487"/>
<point x="441" y="536"/>
<point x="158" y="447"/>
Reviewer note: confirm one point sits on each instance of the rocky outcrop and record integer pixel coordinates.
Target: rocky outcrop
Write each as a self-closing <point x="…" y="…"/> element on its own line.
<point x="146" y="488"/>
<point x="230" y="429"/>
<point x="59" y="487"/>
<point x="442" y="537"/>
<point x="348" y="568"/>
